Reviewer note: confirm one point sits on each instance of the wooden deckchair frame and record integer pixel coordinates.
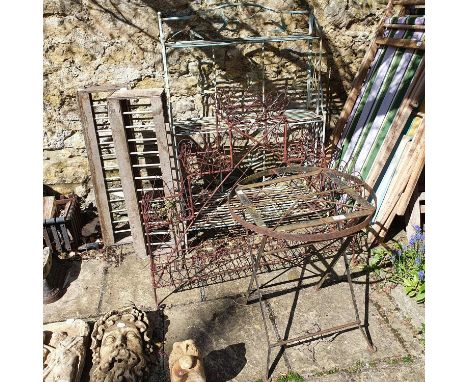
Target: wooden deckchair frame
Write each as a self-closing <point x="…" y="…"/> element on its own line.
<point x="367" y="61"/>
<point x="402" y="191"/>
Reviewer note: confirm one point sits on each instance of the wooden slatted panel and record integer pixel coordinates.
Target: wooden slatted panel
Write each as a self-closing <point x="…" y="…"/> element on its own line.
<point x="93" y="113"/>
<point x="144" y="154"/>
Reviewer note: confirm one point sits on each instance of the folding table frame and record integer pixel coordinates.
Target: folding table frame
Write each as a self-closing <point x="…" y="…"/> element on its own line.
<point x="322" y="205"/>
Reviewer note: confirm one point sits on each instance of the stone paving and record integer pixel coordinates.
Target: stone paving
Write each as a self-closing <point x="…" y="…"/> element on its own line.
<point x="231" y="335"/>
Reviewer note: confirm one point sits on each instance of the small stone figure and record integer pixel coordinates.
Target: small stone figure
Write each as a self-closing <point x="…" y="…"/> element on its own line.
<point x="185" y="363"/>
<point x="64" y="350"/>
<point x="121" y="346"/>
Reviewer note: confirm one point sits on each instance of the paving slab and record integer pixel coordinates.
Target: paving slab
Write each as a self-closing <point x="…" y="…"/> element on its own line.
<point x="126" y="284"/>
<point x="83" y="293"/>
<point x="408" y="306"/>
<point x="231" y="334"/>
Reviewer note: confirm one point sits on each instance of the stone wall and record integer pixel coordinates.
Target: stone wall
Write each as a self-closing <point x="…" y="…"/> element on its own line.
<point x="91" y="42"/>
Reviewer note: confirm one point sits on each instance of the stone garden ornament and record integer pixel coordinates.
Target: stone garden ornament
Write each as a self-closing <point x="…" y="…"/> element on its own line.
<point x="64" y="350"/>
<point x="121" y="346"/>
<point x="185" y="363"/>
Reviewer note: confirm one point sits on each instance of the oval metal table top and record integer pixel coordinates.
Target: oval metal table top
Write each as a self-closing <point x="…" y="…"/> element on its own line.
<point x="302" y="203"/>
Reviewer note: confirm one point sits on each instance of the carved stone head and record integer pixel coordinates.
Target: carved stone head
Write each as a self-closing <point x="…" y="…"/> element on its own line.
<point x="121" y="346"/>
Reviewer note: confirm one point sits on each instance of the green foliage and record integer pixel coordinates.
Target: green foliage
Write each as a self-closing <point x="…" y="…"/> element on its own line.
<point x="408" y="265"/>
<point x="422" y="332"/>
<point x="290" y="377"/>
<point x="407" y="359"/>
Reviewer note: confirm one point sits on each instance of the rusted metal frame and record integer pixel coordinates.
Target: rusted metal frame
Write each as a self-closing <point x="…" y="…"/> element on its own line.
<point x="315" y="171"/>
<point x="319" y="333"/>
<point x="262" y="142"/>
<point x="257" y="217"/>
<point x="320" y="220"/>
<point x="281" y="342"/>
<point x="246" y="153"/>
<point x="57" y="241"/>
<point x="65" y="237"/>
<point x="259" y="221"/>
<point x="329" y="267"/>
<point x="326" y="204"/>
<point x="358" y="198"/>
<point x="303" y="237"/>
<point x="312" y="196"/>
<point x="180" y="281"/>
<point x="212" y="193"/>
<point x="128" y="184"/>
<point x="370" y="346"/>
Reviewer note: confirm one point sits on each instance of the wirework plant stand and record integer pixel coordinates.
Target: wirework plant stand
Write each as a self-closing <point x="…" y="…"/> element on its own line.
<point x="302" y="206"/>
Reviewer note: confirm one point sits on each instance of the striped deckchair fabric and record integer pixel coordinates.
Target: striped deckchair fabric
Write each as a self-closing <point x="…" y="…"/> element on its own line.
<point x="387" y="82"/>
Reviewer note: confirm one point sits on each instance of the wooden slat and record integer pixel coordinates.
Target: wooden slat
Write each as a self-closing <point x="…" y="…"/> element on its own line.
<point x="137" y="93"/>
<point x="95" y="166"/>
<point x="126" y="174"/>
<point x="405" y="26"/>
<point x="162" y="133"/>
<point x="416" y="171"/>
<point x="412" y="170"/>
<point x="400" y="43"/>
<point x="402" y="175"/>
<point x="412" y="182"/>
<point x="48" y="207"/>
<point x="103" y="88"/>
<point x="409" y="2"/>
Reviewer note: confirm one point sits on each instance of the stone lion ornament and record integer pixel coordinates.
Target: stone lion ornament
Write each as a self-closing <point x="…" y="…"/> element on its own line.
<point x="121" y="346"/>
<point x="185" y="363"/>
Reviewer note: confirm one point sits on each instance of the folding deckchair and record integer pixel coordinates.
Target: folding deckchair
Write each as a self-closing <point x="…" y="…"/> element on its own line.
<point x="372" y="136"/>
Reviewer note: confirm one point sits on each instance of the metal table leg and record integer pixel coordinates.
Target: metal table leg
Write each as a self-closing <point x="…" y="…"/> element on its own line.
<point x="284" y="342"/>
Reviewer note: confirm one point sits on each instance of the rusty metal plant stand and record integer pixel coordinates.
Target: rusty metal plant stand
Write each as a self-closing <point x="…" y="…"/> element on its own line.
<point x="317" y="205"/>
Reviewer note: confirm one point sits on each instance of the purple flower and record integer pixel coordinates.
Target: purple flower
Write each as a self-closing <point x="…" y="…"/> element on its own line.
<point x="417" y="261"/>
<point x="422" y="249"/>
<point x="396" y="254"/>
<point x="418" y="237"/>
<point x="421" y="275"/>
